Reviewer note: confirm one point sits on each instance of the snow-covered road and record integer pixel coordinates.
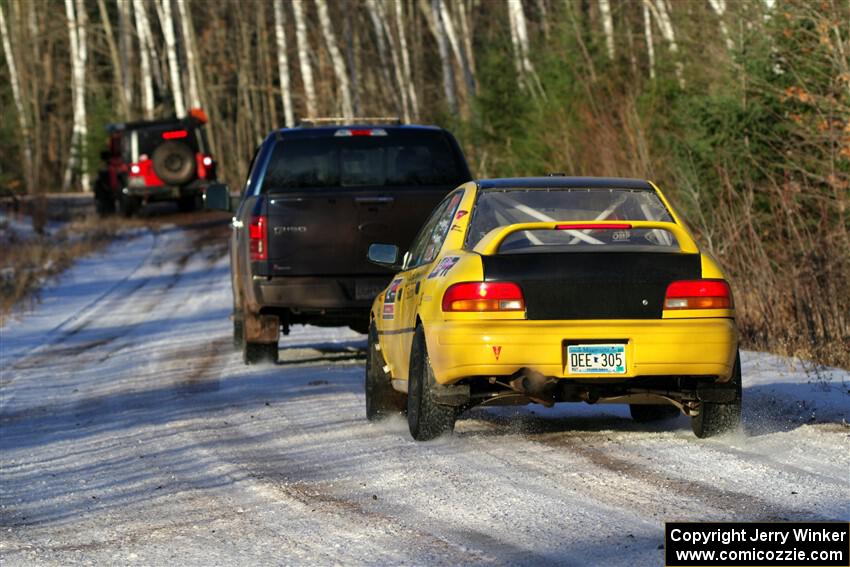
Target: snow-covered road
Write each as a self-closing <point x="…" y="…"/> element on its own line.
<point x="131" y="433"/>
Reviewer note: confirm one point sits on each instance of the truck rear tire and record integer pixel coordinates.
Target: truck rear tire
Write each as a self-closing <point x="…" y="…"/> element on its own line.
<point x="187" y="204"/>
<point x="128" y="206"/>
<point x="238" y="333"/>
<point x="258" y="353"/>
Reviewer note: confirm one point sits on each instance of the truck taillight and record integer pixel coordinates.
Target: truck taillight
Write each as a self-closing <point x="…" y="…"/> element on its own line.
<point x="484" y="296"/>
<point x="258" y="238"/>
<point x="698" y="294"/>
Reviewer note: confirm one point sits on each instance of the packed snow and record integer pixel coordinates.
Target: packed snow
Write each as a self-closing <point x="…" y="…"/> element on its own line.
<point x="131" y="432"/>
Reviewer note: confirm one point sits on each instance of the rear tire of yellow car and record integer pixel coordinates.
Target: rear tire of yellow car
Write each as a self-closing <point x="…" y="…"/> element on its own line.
<point x="426" y="418"/>
<point x="643" y="413"/>
<point x="382" y="400"/>
<point x="717" y="419"/>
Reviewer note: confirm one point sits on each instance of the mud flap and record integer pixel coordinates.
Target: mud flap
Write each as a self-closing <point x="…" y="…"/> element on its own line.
<point x="261" y="328"/>
<point x="716" y="393"/>
<point x="453" y="395"/>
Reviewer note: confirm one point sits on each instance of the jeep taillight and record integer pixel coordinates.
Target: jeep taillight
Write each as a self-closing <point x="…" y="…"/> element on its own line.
<point x="484" y="296"/>
<point x="258" y="238"/>
<point x="698" y="294"/>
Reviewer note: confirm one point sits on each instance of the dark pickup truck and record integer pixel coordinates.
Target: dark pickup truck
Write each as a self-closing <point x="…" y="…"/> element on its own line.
<point x="314" y="200"/>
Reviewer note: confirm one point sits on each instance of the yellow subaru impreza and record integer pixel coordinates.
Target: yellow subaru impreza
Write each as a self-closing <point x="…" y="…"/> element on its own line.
<point x="553" y="289"/>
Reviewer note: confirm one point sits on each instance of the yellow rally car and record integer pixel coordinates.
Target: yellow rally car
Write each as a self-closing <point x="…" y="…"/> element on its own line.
<point x="553" y="289"/>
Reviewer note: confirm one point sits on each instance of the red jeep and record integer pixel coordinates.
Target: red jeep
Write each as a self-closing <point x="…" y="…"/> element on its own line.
<point x="155" y="160"/>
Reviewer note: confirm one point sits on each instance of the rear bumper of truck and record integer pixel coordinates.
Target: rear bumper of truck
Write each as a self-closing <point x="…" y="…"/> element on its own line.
<point x="319" y="294"/>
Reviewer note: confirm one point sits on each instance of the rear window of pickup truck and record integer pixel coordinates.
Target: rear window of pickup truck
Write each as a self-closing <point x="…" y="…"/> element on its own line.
<point x="392" y="159"/>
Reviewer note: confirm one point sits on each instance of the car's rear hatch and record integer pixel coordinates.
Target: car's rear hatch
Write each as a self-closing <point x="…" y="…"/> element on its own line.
<point x="593" y="285"/>
<point x="331" y="192"/>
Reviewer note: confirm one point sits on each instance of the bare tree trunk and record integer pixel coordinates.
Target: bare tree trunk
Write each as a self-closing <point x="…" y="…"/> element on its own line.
<point x="189" y="45"/>
<point x="647" y="33"/>
<point x="117" y="70"/>
<point x="659" y="9"/>
<point x="336" y="58"/>
<point x="381" y="42"/>
<point x="544" y="17"/>
<point x="719" y="7"/>
<point x="516" y="47"/>
<point x="445" y="57"/>
<point x="124" y="44"/>
<point x="520" y="30"/>
<point x="167" y="23"/>
<point x="304" y="58"/>
<point x="145" y="41"/>
<point x="23" y="116"/>
<point x="283" y="64"/>
<point x="466" y="32"/>
<point x="350" y="35"/>
<point x="458" y="50"/>
<point x="607" y="26"/>
<point x="405" y="61"/>
<point x="82" y="42"/>
<point x="397" y="66"/>
<point x="79" y="54"/>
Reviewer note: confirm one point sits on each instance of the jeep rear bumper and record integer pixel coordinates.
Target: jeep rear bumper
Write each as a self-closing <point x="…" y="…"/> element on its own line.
<point x="166" y="192"/>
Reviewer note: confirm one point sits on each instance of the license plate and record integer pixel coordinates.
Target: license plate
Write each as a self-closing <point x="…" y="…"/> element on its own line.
<point x="367" y="290"/>
<point x="596" y="359"/>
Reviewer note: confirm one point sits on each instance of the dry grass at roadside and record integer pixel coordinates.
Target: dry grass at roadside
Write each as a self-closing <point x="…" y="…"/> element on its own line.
<point x="27" y="263"/>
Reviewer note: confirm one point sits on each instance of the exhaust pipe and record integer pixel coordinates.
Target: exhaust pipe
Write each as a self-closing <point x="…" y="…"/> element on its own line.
<point x="534" y="385"/>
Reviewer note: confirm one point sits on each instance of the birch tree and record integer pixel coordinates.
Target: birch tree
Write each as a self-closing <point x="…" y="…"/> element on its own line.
<point x="336" y="58"/>
<point x="719" y="7"/>
<point x="23" y="116"/>
<point x="647" y="34"/>
<point x="405" y="60"/>
<point x="167" y="23"/>
<point x="117" y="70"/>
<point x="457" y="48"/>
<point x="378" y="6"/>
<point x="607" y="26"/>
<point x="304" y="58"/>
<point x="189" y="46"/>
<point x="145" y="42"/>
<point x="79" y="55"/>
<point x="124" y="44"/>
<point x="665" y="24"/>
<point x="519" y="37"/>
<point x="445" y="57"/>
<point x="283" y="64"/>
<point x="378" y="24"/>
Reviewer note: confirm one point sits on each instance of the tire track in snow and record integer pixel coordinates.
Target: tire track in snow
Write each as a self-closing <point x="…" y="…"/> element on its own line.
<point x="722" y="500"/>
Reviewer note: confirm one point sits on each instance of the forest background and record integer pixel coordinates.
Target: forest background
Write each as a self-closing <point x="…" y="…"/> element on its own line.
<point x="739" y="110"/>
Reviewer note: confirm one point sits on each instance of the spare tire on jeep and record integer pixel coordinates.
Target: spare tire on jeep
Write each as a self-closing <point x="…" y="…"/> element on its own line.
<point x="174" y="163"/>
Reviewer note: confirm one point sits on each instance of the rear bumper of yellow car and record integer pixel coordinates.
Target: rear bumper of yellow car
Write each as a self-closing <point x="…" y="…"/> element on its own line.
<point x="658" y="347"/>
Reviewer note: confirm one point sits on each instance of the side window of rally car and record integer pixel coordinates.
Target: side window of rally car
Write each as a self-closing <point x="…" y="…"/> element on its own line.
<point x="430" y="239"/>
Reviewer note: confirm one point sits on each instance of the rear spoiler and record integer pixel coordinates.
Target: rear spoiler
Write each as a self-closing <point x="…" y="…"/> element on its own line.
<point x="491" y="242"/>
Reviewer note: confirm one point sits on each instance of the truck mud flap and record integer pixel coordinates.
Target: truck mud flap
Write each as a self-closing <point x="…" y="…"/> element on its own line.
<point x="262" y="328"/>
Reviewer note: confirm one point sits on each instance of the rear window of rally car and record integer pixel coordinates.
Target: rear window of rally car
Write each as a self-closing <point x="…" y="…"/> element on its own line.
<point x="502" y="207"/>
<point x="394" y="159"/>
